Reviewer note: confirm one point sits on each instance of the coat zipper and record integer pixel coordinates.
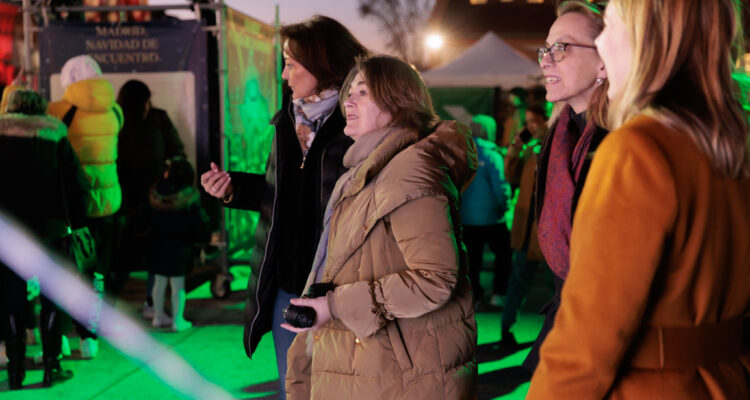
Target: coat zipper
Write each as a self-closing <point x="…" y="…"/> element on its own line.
<point x="265" y="250"/>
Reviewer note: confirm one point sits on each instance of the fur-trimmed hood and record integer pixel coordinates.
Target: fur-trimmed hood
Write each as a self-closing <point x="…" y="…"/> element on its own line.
<point x="181" y="200"/>
<point x="30" y="126"/>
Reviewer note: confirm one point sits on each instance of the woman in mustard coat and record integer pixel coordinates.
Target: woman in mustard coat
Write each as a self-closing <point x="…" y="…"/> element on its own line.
<point x="657" y="300"/>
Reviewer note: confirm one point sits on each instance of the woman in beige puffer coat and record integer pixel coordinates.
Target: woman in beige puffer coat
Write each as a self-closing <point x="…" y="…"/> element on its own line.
<point x="400" y="323"/>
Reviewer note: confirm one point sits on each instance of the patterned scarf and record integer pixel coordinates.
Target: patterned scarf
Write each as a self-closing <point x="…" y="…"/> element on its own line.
<point x="310" y="113"/>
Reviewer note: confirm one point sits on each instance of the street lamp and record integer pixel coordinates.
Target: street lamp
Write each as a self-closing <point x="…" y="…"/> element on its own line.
<point x="434" y="41"/>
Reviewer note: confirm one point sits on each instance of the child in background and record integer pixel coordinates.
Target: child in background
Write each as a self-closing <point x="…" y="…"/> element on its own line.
<point x="178" y="223"/>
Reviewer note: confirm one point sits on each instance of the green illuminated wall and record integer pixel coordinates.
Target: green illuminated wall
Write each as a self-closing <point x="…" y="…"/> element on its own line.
<point x="249" y="105"/>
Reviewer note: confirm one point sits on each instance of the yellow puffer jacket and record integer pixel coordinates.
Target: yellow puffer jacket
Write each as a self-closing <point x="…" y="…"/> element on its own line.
<point x="403" y="323"/>
<point x="93" y="134"/>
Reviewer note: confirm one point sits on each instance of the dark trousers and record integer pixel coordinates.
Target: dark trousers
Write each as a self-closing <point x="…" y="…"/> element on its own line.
<point x="550" y="311"/>
<point x="498" y="238"/>
<point x="519" y="283"/>
<point x="14" y="320"/>
<point x="103" y="231"/>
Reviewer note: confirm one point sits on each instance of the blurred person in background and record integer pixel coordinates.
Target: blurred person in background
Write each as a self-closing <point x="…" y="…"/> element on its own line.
<point x="94" y="119"/>
<point x="483" y="208"/>
<point x="657" y="301"/>
<point x="178" y="224"/>
<point x="520" y="168"/>
<point x="51" y="178"/>
<point x="147" y="140"/>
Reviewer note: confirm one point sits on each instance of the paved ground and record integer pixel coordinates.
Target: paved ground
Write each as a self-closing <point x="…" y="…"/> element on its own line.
<point x="214" y="348"/>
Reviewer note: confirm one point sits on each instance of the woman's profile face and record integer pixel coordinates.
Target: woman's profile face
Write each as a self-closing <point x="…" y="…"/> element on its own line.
<point x="362" y="114"/>
<point x="573" y="78"/>
<point x="300" y="80"/>
<point x="615" y="49"/>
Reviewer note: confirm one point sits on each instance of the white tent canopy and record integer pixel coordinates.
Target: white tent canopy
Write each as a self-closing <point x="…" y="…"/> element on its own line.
<point x="489" y="62"/>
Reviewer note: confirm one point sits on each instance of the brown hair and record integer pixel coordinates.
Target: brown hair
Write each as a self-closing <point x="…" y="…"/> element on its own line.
<point x="396" y="88"/>
<point x="324" y="47"/>
<point x="27" y="102"/>
<point x="596" y="111"/>
<point x="681" y="74"/>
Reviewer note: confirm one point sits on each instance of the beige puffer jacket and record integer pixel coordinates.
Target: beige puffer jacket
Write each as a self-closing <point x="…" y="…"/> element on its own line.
<point x="403" y="324"/>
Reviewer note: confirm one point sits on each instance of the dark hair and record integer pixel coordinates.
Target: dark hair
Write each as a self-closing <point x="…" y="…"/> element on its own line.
<point x="180" y="173"/>
<point x="521" y="93"/>
<point x="132" y="99"/>
<point x="324" y="47"/>
<point x="537" y="109"/>
<point x="27" y="102"/>
<point x="397" y="88"/>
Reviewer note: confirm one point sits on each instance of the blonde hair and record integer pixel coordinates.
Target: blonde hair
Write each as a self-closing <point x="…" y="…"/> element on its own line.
<point x="684" y="53"/>
<point x="596" y="110"/>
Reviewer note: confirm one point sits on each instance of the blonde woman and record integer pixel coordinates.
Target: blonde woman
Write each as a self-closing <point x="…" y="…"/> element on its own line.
<point x="576" y="82"/>
<point x="657" y="301"/>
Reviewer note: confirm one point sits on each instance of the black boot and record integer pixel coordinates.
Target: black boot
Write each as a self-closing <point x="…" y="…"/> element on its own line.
<point x="507" y="338"/>
<point x="51" y="343"/>
<point x="53" y="372"/>
<point x="16" y="351"/>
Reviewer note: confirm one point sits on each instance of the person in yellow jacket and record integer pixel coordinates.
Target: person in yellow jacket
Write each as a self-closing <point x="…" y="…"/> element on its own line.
<point x="94" y="120"/>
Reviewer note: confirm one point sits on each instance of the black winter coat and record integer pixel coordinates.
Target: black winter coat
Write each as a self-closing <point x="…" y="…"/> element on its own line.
<point x="292" y="185"/>
<point x="178" y="223"/>
<point x="35" y="158"/>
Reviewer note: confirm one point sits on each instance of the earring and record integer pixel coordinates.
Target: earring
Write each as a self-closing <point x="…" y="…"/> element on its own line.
<point x="599" y="81"/>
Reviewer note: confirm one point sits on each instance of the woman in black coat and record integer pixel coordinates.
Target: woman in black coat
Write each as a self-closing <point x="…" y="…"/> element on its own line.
<point x="39" y="164"/>
<point x="304" y="164"/>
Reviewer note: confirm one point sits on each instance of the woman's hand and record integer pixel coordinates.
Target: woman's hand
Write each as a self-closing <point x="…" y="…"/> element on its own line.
<point x="322" y="313"/>
<point x="216" y="182"/>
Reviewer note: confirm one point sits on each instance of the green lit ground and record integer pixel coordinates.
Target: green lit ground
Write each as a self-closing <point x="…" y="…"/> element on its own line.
<point x="214" y="348"/>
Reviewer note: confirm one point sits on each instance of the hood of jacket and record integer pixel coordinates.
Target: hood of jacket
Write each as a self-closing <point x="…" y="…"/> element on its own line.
<point x="451" y="146"/>
<point x="93" y="95"/>
<point x="29" y="126"/>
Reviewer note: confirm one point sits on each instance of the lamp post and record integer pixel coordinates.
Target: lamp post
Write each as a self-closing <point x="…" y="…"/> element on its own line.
<point x="434" y="43"/>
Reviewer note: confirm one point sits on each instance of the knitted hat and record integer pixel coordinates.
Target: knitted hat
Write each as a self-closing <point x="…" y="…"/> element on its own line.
<point x="79" y="68"/>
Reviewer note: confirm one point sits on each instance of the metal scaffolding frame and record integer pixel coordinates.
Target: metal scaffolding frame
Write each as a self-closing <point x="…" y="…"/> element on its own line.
<point x="218" y="30"/>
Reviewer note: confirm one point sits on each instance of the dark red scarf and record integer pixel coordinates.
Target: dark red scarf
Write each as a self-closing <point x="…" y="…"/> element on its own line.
<point x="566" y="155"/>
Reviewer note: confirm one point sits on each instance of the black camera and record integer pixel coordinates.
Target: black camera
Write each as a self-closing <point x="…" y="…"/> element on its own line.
<point x="303" y="316"/>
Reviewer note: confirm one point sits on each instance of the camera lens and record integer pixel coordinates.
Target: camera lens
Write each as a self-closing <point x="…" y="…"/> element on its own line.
<point x="299" y="316"/>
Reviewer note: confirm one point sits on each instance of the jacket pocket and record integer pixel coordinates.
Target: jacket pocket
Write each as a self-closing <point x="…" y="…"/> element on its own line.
<point x="398" y="345"/>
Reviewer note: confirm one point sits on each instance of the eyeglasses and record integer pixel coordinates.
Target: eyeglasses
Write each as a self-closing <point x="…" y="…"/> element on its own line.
<point x="557" y="50"/>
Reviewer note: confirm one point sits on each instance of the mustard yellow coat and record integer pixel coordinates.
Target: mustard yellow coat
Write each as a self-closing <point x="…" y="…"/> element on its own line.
<point x="403" y="323"/>
<point x="93" y="134"/>
<point x="659" y="284"/>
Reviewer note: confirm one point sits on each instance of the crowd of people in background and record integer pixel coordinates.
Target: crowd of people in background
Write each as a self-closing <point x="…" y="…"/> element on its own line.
<point x="622" y="184"/>
<point x="116" y="166"/>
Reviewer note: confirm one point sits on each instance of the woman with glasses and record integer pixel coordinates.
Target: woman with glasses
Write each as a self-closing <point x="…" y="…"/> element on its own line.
<point x="575" y="80"/>
<point x="657" y="302"/>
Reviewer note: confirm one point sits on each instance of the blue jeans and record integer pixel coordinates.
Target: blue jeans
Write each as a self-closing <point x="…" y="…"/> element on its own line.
<point x="282" y="338"/>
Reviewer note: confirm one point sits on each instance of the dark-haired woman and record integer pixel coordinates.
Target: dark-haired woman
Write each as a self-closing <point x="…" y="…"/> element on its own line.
<point x="400" y="322"/>
<point x="147" y="139"/>
<point x="303" y="166"/>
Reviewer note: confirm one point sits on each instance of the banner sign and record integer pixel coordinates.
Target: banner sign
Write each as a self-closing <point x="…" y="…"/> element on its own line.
<point x="168" y="55"/>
